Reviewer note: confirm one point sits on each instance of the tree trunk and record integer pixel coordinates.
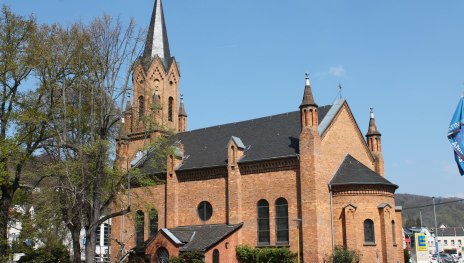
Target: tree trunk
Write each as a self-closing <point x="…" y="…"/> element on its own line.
<point x="90" y="245"/>
<point x="5" y="204"/>
<point x="76" y="245"/>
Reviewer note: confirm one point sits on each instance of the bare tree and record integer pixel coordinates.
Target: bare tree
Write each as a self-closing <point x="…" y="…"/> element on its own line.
<point x="86" y="124"/>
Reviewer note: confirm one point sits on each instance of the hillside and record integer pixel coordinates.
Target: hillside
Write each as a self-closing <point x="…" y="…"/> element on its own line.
<point x="449" y="214"/>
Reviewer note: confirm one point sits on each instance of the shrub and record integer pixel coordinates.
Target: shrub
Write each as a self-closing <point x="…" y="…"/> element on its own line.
<point x="344" y="255"/>
<point x="248" y="254"/>
<point x="51" y="253"/>
<point x="188" y="257"/>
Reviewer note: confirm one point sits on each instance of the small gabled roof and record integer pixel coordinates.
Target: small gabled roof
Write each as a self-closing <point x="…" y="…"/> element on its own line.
<point x="353" y="172"/>
<point x="202" y="237"/>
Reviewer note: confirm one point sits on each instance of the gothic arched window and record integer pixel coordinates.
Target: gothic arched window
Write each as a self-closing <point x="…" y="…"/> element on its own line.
<point x="162" y="255"/>
<point x="139" y="228"/>
<point x="153" y="220"/>
<point x="282" y="220"/>
<point x="263" y="222"/>
<point x="170" y="110"/>
<point x="141" y="107"/>
<point x="394" y="232"/>
<point x="369" y="231"/>
<point x="216" y="256"/>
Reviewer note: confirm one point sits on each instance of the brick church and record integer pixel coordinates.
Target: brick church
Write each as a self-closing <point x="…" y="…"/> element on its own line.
<point x="307" y="180"/>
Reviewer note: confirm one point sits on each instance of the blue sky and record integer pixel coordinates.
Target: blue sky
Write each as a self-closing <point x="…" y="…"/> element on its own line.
<point x="246" y="59"/>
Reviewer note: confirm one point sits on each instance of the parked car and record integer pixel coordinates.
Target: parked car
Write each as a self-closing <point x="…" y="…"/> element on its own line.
<point x="444" y="258"/>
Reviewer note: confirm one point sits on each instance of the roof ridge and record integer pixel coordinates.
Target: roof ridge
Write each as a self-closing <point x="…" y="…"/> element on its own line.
<point x="249" y="120"/>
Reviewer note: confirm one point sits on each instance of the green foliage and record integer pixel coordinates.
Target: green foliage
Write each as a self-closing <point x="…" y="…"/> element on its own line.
<point x="248" y="254"/>
<point x="52" y="253"/>
<point x="188" y="257"/>
<point x="449" y="214"/>
<point x="344" y="255"/>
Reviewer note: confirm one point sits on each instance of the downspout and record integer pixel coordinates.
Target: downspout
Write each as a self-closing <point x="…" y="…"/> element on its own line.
<point x="331" y="219"/>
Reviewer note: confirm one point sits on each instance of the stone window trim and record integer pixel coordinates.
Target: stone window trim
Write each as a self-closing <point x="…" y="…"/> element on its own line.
<point x="366" y="244"/>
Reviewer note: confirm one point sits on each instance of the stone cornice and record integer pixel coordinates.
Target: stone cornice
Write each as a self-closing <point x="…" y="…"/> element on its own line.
<point x="352" y="190"/>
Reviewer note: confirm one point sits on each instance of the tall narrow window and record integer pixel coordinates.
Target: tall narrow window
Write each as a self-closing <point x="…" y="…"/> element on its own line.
<point x="141" y="107"/>
<point x="98" y="235"/>
<point x="153" y="217"/>
<point x="170" y="105"/>
<point x="263" y="222"/>
<point x="282" y="220"/>
<point x="216" y="256"/>
<point x="139" y="228"/>
<point x="369" y="231"/>
<point x="107" y="235"/>
<point x="162" y="255"/>
<point x="394" y="232"/>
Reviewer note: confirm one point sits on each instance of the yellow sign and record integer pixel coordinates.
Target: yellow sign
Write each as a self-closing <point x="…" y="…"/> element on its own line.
<point x="421" y="242"/>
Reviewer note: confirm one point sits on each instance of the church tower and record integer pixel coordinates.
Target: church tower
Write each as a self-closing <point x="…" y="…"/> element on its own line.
<point x="312" y="187"/>
<point x="374" y="143"/>
<point x="155" y="92"/>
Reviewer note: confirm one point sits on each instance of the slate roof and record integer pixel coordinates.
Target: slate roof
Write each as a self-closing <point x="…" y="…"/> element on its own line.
<point x="264" y="138"/>
<point x="353" y="172"/>
<point x="157" y="43"/>
<point x="202" y="237"/>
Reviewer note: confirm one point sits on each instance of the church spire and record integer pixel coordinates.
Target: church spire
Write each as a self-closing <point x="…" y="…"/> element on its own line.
<point x="182" y="116"/>
<point x="157" y="43"/>
<point x="372" y="130"/>
<point x="308" y="99"/>
<point x="374" y="143"/>
<point x="308" y="107"/>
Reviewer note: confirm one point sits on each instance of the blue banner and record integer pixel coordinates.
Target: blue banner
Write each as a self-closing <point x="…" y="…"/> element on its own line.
<point x="456" y="135"/>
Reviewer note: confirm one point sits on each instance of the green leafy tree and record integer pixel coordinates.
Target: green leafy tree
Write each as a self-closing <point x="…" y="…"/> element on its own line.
<point x="24" y="113"/>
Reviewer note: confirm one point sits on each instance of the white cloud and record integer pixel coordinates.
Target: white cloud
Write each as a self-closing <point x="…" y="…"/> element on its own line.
<point x="337" y="71"/>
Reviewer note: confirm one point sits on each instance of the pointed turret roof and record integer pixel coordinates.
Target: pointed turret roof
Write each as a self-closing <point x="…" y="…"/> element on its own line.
<point x="308" y="99"/>
<point x="157" y="44"/>
<point x="372" y="127"/>
<point x="182" y="108"/>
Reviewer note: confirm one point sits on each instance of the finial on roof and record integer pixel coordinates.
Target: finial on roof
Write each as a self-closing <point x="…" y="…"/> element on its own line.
<point x="372" y="113"/>
<point x="157" y="43"/>
<point x="307" y="79"/>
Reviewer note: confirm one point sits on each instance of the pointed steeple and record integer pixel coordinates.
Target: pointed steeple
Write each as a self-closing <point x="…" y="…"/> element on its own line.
<point x="157" y="43"/>
<point x="372" y="127"/>
<point x="182" y="116"/>
<point x="308" y="99"/>
<point x="308" y="108"/>
<point x="181" y="107"/>
<point x="374" y="143"/>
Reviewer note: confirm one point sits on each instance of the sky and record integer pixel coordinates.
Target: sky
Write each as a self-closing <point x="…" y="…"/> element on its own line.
<point x="245" y="59"/>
